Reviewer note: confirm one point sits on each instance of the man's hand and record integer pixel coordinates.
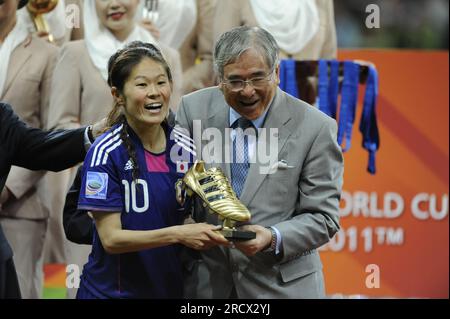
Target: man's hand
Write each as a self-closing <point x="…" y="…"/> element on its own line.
<point x="261" y="242"/>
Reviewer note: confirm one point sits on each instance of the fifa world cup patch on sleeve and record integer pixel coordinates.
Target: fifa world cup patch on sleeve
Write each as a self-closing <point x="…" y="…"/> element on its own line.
<point x="96" y="185"/>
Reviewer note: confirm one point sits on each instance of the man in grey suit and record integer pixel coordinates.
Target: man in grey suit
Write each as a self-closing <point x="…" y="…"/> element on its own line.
<point x="294" y="204"/>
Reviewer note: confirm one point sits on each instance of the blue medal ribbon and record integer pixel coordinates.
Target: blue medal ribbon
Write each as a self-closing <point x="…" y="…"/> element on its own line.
<point x="323" y="89"/>
<point x="288" y="77"/>
<point x="333" y="90"/>
<point x="328" y="87"/>
<point x="282" y="84"/>
<point x="328" y="91"/>
<point x="368" y="124"/>
<point x="348" y="103"/>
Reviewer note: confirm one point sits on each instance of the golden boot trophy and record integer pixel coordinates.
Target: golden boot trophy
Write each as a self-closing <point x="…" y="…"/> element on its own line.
<point x="37" y="8"/>
<point x="214" y="189"/>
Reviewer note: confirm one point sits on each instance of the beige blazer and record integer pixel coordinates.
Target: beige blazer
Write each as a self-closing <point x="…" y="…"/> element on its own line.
<point x="198" y="48"/>
<point x="28" y="91"/>
<point x="230" y="14"/>
<point x="80" y="96"/>
<point x="300" y="199"/>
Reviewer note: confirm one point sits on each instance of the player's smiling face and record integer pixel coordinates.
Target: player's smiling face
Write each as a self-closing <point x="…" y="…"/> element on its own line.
<point x="147" y="93"/>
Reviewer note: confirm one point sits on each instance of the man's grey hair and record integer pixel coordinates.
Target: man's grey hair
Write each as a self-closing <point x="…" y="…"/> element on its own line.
<point x="233" y="43"/>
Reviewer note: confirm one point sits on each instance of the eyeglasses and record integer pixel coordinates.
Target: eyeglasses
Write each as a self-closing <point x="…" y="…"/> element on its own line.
<point x="239" y="85"/>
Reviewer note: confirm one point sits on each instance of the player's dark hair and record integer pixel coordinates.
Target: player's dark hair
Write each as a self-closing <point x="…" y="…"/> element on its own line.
<point x="120" y="66"/>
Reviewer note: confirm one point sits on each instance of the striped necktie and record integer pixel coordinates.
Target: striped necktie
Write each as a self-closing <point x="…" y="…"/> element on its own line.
<point x="240" y="163"/>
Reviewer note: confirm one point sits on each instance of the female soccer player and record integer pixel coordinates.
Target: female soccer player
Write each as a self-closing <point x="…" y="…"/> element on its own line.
<point x="128" y="185"/>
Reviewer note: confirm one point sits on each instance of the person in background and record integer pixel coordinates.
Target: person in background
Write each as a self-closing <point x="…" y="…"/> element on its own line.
<point x="304" y="30"/>
<point x="108" y="26"/>
<point x="187" y="26"/>
<point x="34" y="149"/>
<point x="64" y="22"/>
<point x="26" y="66"/>
<point x="129" y="188"/>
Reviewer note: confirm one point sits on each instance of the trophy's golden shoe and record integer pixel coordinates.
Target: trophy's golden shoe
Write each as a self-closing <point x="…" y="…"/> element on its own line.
<point x="213" y="187"/>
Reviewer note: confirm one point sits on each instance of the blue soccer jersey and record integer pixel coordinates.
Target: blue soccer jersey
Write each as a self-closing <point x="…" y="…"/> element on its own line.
<point x="146" y="203"/>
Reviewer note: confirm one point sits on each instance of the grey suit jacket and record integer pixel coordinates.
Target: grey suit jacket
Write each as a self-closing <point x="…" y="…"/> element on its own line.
<point x="301" y="201"/>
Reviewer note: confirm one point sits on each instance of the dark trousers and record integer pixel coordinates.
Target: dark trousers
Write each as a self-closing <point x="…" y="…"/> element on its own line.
<point x="9" y="285"/>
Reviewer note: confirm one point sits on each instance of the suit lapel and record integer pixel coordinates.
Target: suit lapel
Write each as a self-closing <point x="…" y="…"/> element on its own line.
<point x="277" y="117"/>
<point x="17" y="61"/>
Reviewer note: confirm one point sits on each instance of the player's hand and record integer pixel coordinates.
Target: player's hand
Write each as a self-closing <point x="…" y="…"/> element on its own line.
<point x="201" y="236"/>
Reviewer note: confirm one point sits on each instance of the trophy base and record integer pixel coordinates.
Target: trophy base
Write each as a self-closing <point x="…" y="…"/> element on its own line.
<point x="237" y="235"/>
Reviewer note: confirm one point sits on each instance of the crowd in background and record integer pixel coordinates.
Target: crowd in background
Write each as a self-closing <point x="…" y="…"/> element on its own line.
<point x="414" y="24"/>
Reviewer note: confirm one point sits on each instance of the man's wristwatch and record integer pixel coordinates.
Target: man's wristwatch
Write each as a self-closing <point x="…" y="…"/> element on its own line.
<point x="273" y="242"/>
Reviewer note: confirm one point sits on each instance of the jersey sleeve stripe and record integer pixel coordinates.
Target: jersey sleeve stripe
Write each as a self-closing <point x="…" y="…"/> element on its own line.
<point x="106" y="139"/>
<point x="110" y="149"/>
<point x="103" y="147"/>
